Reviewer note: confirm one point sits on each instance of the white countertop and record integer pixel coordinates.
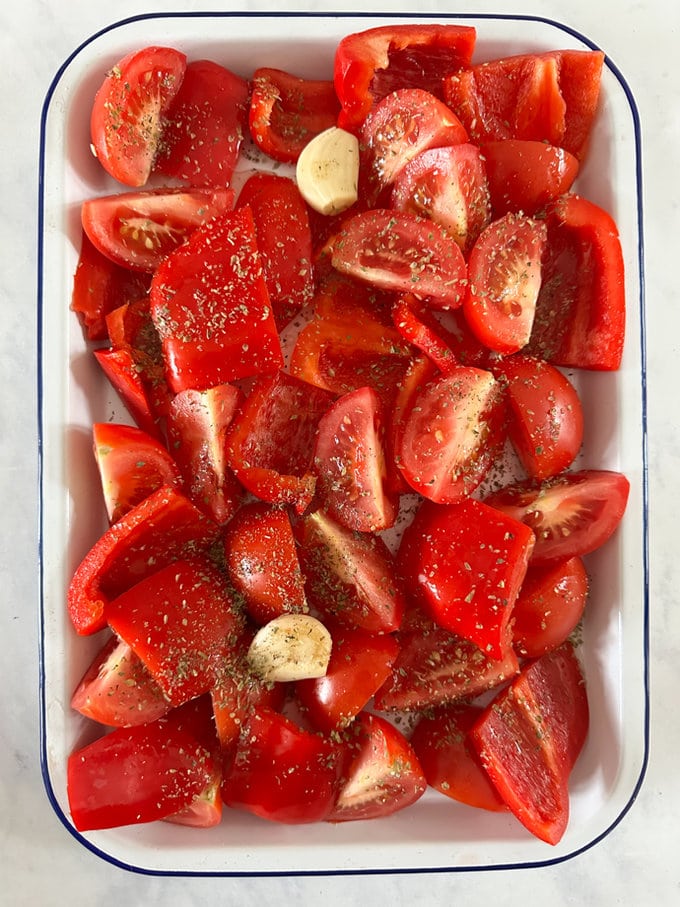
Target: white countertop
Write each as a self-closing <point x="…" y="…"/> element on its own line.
<point x="40" y="863"/>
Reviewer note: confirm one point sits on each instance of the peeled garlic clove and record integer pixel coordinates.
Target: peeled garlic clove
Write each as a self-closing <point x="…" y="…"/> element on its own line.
<point x="328" y="171"/>
<point x="290" y="647"/>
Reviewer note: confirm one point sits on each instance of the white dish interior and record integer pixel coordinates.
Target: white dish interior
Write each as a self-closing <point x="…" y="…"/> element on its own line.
<point x="436" y="833"/>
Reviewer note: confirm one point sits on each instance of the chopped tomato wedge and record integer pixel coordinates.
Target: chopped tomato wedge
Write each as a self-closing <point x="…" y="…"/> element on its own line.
<point x="395" y="250"/>
<point x="449" y="186"/>
<point x="181" y="621"/>
<point x="451" y="766"/>
<point x="571" y="514"/>
<point x="372" y="63"/>
<point x="210" y="306"/>
<point x="124" y="375"/>
<point x="349" y="461"/>
<point x="138" y="229"/>
<point x="262" y="562"/>
<point x="545" y="421"/>
<point x="383" y="775"/>
<point x="529" y="737"/>
<point x="417" y="324"/>
<point x="350" y="576"/>
<point x="269" y="445"/>
<point x="466" y="562"/>
<point x="360" y="662"/>
<point x="581" y="308"/>
<point x="286" y="112"/>
<point x="399" y="127"/>
<point x="204" y="126"/>
<point x="451" y="434"/>
<point x="99" y="286"/>
<point x="279" y="211"/>
<point x="504" y="270"/>
<point x="526" y="175"/>
<point x="135" y="775"/>
<point x="117" y="690"/>
<point x="153" y="534"/>
<point x="197" y="425"/>
<point x="132" y="464"/>
<point x="126" y="123"/>
<point x="435" y="666"/>
<point x="281" y="772"/>
<point x="549" y="606"/>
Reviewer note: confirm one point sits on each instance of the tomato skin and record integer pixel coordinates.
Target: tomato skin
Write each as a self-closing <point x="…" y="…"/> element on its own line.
<point x="279" y="211"/>
<point x="395" y="250"/>
<point x="269" y="443"/>
<point x="181" y="621"/>
<point x="132" y="464"/>
<point x="128" y="108"/>
<point x="99" y="286"/>
<point x="571" y="514"/>
<point x="383" y="775"/>
<point x="360" y="663"/>
<point x="401" y="126"/>
<point x="504" y="270"/>
<point x="197" y="425"/>
<point x="451" y="434"/>
<point x="262" y="562"/>
<point x="350" y="576"/>
<point x="449" y="763"/>
<point x="466" y="567"/>
<point x="204" y="126"/>
<point x="371" y="63"/>
<point x="549" y="606"/>
<point x="449" y="186"/>
<point x="349" y="460"/>
<point x="136" y="775"/>
<point x="281" y="772"/>
<point x="581" y="308"/>
<point x="526" y="175"/>
<point x="138" y="229"/>
<point x="117" y="690"/>
<point x="232" y="333"/>
<point x="545" y="421"/>
<point x="286" y="112"/>
<point x="529" y="738"/>
<point x="148" y="537"/>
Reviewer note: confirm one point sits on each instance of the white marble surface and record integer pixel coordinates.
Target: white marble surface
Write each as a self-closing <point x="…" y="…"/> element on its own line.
<point x="40" y="864"/>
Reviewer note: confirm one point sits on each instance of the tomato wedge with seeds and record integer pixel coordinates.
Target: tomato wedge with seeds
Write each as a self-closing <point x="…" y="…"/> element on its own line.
<point x="349" y="461"/>
<point x="139" y="229"/>
<point x="349" y="576"/>
<point x="117" y="689"/>
<point x="549" y="606"/>
<point x="204" y="126"/>
<point x="395" y="250"/>
<point x="286" y="112"/>
<point x="449" y="186"/>
<point x="402" y="125"/>
<point x="571" y="514"/>
<point x="440" y="741"/>
<point x="383" y="775"/>
<point x="126" y="123"/>
<point x="504" y="270"/>
<point x="545" y="422"/>
<point x="132" y="464"/>
<point x="451" y="435"/>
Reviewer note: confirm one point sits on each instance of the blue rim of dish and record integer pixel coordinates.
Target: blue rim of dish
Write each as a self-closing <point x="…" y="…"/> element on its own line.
<point x="645" y="483"/>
